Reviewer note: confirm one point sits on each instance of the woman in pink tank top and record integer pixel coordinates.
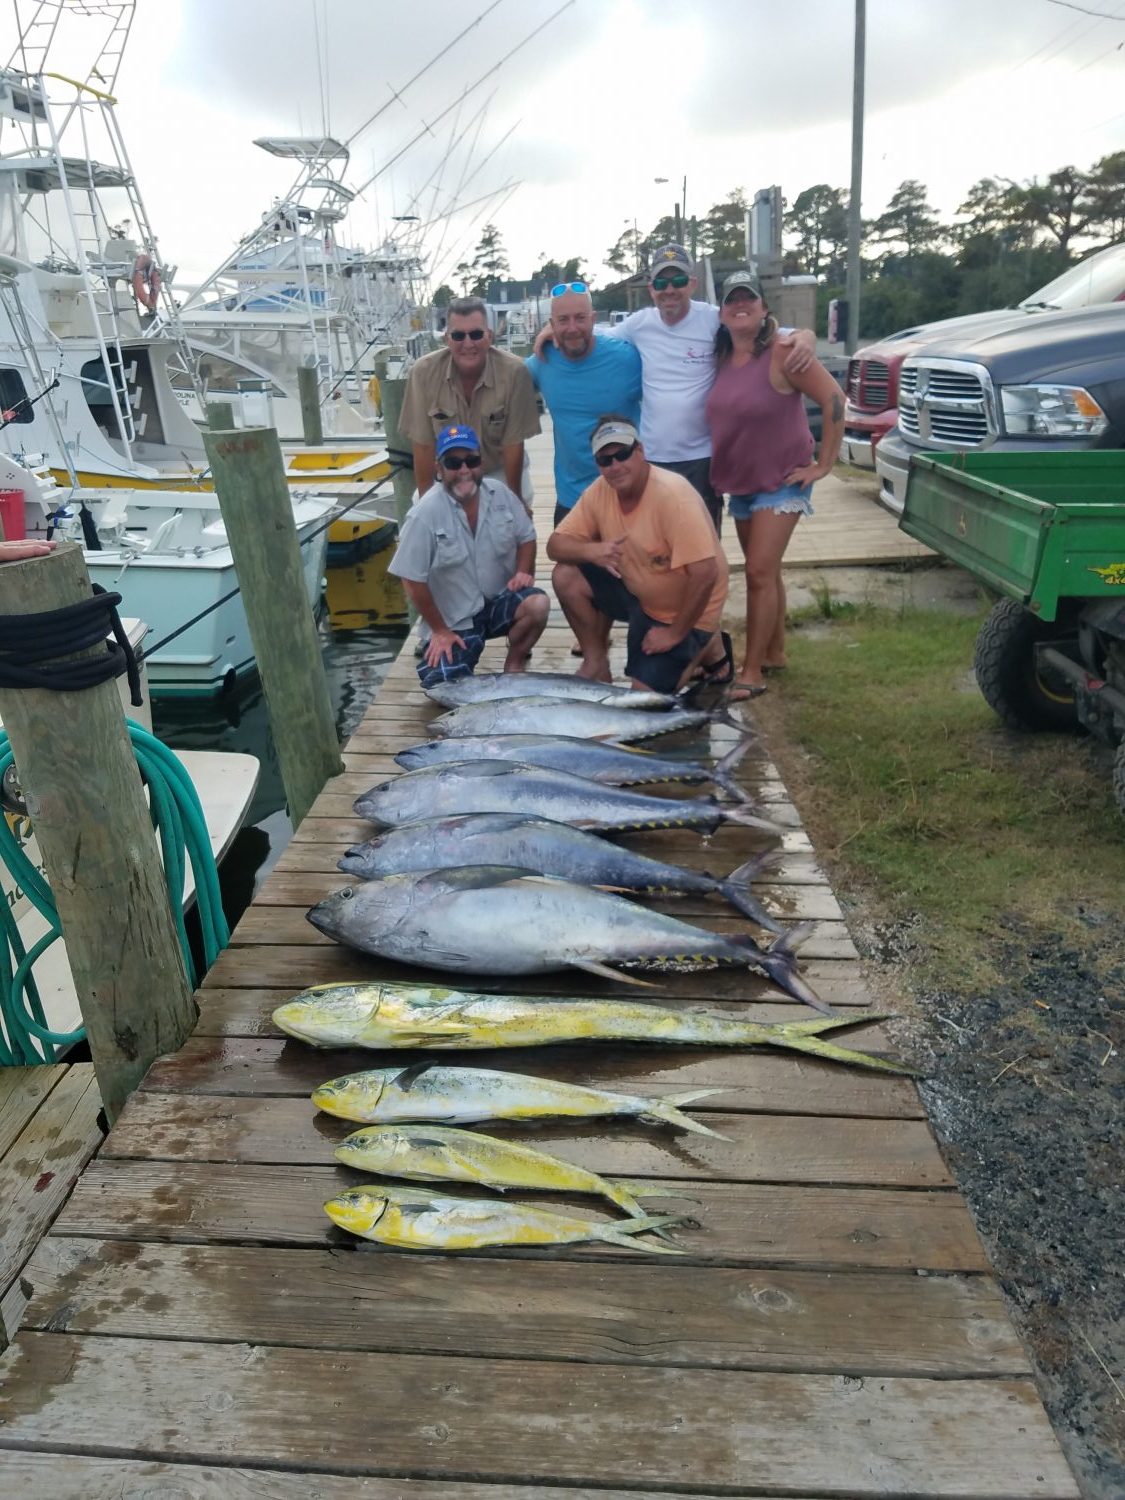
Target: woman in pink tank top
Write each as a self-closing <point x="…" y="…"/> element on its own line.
<point x="762" y="457"/>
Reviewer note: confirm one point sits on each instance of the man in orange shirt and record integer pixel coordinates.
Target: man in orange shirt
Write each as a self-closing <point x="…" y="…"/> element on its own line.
<point x="639" y="547"/>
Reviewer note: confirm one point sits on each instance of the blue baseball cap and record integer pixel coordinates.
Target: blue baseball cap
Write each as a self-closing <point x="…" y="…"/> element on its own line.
<point x="455" y="436"/>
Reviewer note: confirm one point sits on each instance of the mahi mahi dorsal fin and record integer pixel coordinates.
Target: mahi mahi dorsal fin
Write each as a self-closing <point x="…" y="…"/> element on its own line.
<point x="410" y="1076"/>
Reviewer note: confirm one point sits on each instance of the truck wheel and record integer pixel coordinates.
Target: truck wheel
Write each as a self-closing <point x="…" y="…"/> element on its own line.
<point x="1004" y="663"/>
<point x="1119" y="778"/>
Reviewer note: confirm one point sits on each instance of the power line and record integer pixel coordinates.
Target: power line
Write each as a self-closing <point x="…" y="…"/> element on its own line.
<point x="1102" y="15"/>
<point x="448" y="110"/>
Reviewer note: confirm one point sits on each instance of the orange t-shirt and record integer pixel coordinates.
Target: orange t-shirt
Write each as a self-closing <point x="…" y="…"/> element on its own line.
<point x="667" y="530"/>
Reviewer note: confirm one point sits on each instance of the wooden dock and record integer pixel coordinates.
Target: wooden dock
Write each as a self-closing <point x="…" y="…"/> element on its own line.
<point x="194" y="1327"/>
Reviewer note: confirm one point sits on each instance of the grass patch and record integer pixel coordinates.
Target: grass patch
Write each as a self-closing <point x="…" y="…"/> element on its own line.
<point x="919" y="799"/>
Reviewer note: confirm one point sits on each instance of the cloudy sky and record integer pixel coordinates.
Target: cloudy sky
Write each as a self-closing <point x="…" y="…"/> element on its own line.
<point x="609" y="96"/>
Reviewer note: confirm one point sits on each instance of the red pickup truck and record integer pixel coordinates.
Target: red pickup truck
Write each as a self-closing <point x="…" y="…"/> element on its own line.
<point x="871" y="407"/>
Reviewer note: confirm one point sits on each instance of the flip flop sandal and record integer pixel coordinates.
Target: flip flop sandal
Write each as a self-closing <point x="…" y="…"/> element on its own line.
<point x="742" y="692"/>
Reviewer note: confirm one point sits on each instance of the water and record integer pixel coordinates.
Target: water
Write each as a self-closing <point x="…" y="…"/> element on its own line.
<point x="357" y="661"/>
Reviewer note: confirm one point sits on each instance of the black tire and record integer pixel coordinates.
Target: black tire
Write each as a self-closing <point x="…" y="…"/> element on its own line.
<point x="1004" y="663"/>
<point x="1119" y="778"/>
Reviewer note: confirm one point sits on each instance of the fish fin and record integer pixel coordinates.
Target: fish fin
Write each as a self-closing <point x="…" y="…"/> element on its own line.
<point x="723" y="771"/>
<point x="471" y="877"/>
<point x="603" y="971"/>
<point x="817" y="1047"/>
<point x="621" y="1232"/>
<point x="838" y="1020"/>
<point x="644" y="1188"/>
<point x="747" y="817"/>
<point x="736" y="889"/>
<point x="428" y="1039"/>
<point x="779" y="961"/>
<point x="410" y="1076"/>
<point x="668" y="1112"/>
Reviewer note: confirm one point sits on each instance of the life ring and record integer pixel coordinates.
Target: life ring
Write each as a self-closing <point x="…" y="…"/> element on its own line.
<point x="146" y="281"/>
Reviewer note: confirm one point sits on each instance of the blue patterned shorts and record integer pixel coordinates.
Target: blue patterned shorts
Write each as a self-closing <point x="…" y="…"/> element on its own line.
<point x="494" y="619"/>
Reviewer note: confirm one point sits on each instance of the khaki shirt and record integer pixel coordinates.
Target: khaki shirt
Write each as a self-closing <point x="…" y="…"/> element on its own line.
<point x="462" y="569"/>
<point x="503" y="409"/>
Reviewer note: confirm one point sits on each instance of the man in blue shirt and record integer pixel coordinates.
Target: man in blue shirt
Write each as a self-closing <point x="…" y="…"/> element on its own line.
<point x="581" y="376"/>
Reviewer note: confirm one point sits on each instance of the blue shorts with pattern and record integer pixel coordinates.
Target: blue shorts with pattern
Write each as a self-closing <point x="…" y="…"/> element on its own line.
<point x="494" y="619"/>
<point x="789" y="499"/>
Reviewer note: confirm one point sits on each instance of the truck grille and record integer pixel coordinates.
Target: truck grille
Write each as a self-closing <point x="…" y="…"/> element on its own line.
<point x="945" y="403"/>
<point x="869" y="383"/>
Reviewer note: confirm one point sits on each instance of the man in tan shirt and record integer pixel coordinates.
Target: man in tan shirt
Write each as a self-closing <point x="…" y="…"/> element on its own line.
<point x="470" y="383"/>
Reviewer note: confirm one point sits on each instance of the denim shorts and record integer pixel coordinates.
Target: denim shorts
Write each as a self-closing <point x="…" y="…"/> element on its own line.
<point x="789" y="499"/>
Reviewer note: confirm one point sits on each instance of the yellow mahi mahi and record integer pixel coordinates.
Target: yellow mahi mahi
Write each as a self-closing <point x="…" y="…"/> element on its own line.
<point x="416" y="1219"/>
<point x="415" y="1015"/>
<point x="436" y="1153"/>
<point x="462" y="1096"/>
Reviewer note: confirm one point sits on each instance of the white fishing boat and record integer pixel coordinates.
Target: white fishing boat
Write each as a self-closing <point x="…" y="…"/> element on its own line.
<point x="166" y="553"/>
<point x="98" y="316"/>
<point x="225" y="784"/>
<point x="292" y="294"/>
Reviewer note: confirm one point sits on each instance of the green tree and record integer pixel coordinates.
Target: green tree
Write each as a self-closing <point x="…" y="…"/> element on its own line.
<point x="1103" y="201"/>
<point x="444" y="295"/>
<point x="624" y="257"/>
<point x="819" y="221"/>
<point x="908" y="220"/>
<point x="551" y="272"/>
<point x="490" y="260"/>
<point x="1058" y="205"/>
<point x="722" y="232"/>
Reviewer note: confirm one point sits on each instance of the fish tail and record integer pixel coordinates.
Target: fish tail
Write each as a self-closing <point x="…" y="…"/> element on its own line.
<point x="622" y="1232"/>
<point x="780" y="963"/>
<point x="723" y="773"/>
<point x="669" y="1113"/>
<point x="750" y="817"/>
<point x="736" y="889"/>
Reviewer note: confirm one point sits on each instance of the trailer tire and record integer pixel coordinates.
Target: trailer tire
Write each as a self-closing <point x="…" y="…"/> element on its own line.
<point x="1004" y="662"/>
<point x="1119" y="778"/>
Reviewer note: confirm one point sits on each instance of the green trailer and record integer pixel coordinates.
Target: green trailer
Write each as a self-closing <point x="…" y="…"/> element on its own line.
<point x="1045" y="531"/>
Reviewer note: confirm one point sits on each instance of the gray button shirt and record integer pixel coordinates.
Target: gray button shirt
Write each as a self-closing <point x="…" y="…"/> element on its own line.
<point x="462" y="570"/>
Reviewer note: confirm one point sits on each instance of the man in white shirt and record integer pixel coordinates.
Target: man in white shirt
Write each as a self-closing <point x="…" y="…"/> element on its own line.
<point x="675" y="338"/>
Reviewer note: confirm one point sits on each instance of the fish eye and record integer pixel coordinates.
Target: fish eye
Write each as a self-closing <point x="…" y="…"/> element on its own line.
<point x="347" y="893"/>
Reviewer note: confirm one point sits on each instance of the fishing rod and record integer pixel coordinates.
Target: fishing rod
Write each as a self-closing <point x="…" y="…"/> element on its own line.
<point x="25" y="403"/>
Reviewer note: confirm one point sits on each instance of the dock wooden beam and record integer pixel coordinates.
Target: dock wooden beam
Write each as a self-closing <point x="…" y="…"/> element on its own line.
<point x="258" y="515"/>
<point x="84" y="793"/>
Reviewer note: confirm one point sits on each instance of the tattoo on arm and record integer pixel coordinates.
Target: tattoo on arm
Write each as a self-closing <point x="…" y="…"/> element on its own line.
<point x="837" y="409"/>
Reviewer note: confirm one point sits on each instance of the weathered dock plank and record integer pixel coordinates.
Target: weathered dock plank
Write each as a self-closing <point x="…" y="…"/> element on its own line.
<point x="511" y="1420"/>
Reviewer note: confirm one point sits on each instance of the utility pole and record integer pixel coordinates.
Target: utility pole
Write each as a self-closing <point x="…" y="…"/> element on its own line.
<point x="855" y="200"/>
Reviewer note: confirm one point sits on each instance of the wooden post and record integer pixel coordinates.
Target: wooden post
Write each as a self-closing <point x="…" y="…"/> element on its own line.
<point x="258" y="515"/>
<point x="84" y="794"/>
<point x="220" y="415"/>
<point x="397" y="446"/>
<point x="308" y="382"/>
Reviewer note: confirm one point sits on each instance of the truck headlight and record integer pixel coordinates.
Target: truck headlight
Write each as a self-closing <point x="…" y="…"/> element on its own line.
<point x="1051" y="411"/>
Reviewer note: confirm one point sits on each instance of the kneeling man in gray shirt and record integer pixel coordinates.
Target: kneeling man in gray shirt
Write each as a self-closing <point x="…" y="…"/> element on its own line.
<point x="466" y="557"/>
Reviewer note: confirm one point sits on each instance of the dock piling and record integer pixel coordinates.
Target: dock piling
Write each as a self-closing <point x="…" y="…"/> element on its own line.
<point x="308" y="382"/>
<point x="86" y="800"/>
<point x="258" y="515"/>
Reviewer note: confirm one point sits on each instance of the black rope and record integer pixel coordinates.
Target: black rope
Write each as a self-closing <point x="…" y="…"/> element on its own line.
<point x="30" y="646"/>
<point x="226" y="598"/>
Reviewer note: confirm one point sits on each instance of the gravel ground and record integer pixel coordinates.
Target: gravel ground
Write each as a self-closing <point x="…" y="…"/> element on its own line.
<point x="1025" y="1091"/>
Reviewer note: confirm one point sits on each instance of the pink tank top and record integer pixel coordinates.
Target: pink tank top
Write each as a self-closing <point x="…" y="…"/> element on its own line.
<point x="758" y="435"/>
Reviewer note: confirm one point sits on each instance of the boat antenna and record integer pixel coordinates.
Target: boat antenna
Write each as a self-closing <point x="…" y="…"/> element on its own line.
<point x="396" y="94"/>
<point x="427" y="129"/>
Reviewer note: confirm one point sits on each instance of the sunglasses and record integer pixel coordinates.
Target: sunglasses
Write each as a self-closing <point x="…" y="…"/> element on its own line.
<point x="618" y="456"/>
<point x="459" y="335"/>
<point x="472" y="461"/>
<point x="569" y="286"/>
<point x="678" y="279"/>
